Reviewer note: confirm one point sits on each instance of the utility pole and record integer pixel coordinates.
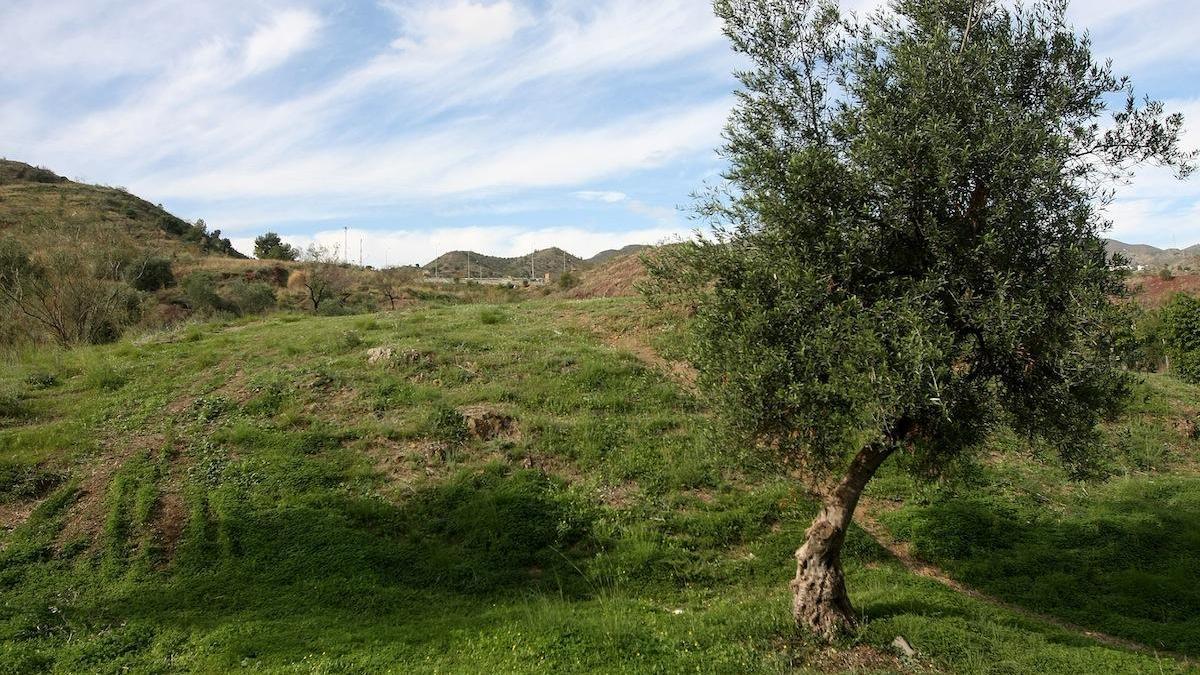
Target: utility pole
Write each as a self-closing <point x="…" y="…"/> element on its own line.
<point x="531" y="266"/>
<point x="468" y="265"/>
<point x="346" y="243"/>
<point x="360" y="252"/>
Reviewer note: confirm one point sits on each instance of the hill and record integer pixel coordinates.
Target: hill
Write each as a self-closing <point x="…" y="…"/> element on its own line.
<point x="517" y="488"/>
<point x="615" y="276"/>
<point x="1156" y="258"/>
<point x="551" y="261"/>
<point x="611" y="253"/>
<point x="37" y="204"/>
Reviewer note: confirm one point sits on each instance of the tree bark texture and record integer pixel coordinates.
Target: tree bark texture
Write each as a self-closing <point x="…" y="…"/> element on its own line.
<point x="819" y="600"/>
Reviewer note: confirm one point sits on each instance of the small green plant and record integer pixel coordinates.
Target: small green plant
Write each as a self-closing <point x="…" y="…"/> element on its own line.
<point x="209" y="408"/>
<point x="447" y="425"/>
<point x="350" y="339"/>
<point x="41" y="379"/>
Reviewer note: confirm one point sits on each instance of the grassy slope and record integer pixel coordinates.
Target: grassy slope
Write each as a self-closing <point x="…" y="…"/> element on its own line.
<point x="33" y="210"/>
<point x="255" y="494"/>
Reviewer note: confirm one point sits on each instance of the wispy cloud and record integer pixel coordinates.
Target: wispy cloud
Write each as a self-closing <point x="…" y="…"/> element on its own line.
<point x="413" y="115"/>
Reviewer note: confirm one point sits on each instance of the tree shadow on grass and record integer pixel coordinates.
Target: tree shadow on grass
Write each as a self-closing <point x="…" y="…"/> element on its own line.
<point x="331" y="569"/>
<point x="1124" y="562"/>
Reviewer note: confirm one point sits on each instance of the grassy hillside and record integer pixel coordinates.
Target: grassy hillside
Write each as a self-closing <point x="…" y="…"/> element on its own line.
<point x="37" y="205"/>
<point x="525" y="488"/>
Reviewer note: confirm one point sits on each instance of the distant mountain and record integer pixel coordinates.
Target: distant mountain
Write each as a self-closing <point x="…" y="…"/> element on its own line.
<point x="1152" y="257"/>
<point x="36" y="203"/>
<point x="550" y="260"/>
<point x="611" y="253"/>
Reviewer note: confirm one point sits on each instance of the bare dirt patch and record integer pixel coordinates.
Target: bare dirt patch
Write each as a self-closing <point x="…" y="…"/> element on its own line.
<point x="86" y="516"/>
<point x="1153" y="291"/>
<point x="14" y="514"/>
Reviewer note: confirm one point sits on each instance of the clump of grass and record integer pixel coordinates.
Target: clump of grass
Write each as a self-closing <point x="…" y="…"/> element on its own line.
<point x="12" y="404"/>
<point x="366" y="324"/>
<point x="105" y="377"/>
<point x="490" y="316"/>
<point x="350" y="339"/>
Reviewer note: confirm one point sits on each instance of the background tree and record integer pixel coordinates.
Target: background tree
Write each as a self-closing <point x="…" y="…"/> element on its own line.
<point x="325" y="278"/>
<point x="270" y="247"/>
<point x="906" y="248"/>
<point x="390" y="283"/>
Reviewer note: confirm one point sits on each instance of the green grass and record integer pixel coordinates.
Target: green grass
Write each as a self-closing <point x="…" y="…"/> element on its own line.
<point x="257" y="495"/>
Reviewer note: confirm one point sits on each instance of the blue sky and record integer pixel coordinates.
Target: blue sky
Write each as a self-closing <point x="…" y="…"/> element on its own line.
<point x="430" y="125"/>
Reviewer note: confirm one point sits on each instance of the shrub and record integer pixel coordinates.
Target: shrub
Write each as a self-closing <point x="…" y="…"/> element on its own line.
<point x="350" y="339"/>
<point x="252" y="297"/>
<point x="67" y="295"/>
<point x="568" y="280"/>
<point x="41" y="379"/>
<point x="150" y="274"/>
<point x="200" y="290"/>
<point x="1181" y="331"/>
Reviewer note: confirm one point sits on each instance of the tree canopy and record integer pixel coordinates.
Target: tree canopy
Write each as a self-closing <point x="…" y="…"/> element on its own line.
<point x="270" y="247"/>
<point x="906" y="250"/>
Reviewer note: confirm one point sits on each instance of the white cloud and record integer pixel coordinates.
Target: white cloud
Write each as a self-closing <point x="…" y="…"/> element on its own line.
<point x="601" y="196"/>
<point x="406" y="247"/>
<point x="455" y="28"/>
<point x="287" y="34"/>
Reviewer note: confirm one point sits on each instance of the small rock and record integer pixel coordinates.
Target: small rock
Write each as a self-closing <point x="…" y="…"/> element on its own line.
<point x="380" y="354"/>
<point x="677" y="612"/>
<point x="903" y="647"/>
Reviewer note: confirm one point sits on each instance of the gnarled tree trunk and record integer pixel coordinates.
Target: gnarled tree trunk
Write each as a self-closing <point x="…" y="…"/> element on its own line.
<point x="819" y="600"/>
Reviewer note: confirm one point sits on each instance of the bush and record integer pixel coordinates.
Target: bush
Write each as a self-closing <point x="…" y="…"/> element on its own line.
<point x="41" y="379"/>
<point x="252" y="297"/>
<point x="568" y="280"/>
<point x="200" y="289"/>
<point x="1181" y="331"/>
<point x="67" y="295"/>
<point x="150" y="274"/>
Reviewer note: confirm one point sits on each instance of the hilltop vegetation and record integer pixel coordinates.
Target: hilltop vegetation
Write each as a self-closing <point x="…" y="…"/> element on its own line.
<point x="553" y="261"/>
<point x="36" y="204"/>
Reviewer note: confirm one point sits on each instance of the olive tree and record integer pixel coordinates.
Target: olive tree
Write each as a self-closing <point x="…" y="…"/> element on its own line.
<point x="906" y="251"/>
